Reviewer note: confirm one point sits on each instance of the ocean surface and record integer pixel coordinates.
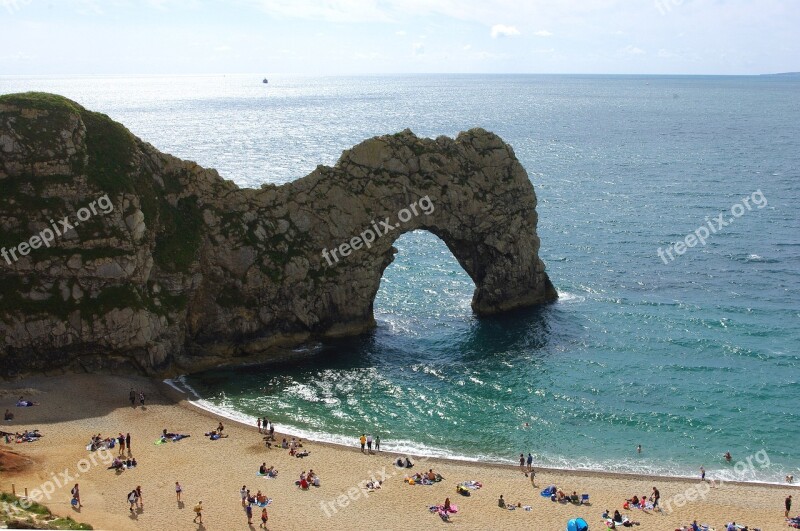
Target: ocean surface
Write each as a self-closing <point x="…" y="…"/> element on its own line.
<point x="689" y="357"/>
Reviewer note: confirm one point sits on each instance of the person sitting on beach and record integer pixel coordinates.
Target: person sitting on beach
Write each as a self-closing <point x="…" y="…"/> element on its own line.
<point x="271" y="472"/>
<point x="260" y="498"/>
<point x="316" y="481"/>
<point x="304" y="484"/>
<point x="409" y="464"/>
<point x="431" y="476"/>
<point x="447" y="504"/>
<point x="8" y="416"/>
<point x="304" y="453"/>
<point x="116" y="464"/>
<point x="501" y="502"/>
<point x="284" y="444"/>
<point x="262" y="469"/>
<point x="617" y="517"/>
<point x="634" y="501"/>
<point x="695" y="527"/>
<point x="561" y="496"/>
<point x="574" y="497"/>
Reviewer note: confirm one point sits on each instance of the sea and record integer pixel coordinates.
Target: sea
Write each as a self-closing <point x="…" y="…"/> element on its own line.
<point x="689" y="352"/>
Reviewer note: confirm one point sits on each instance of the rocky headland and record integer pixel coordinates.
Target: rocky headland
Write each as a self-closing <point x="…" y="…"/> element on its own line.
<point x="119" y="257"/>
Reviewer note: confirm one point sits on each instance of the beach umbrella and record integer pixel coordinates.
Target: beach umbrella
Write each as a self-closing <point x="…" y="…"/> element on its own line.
<point x="577" y="524"/>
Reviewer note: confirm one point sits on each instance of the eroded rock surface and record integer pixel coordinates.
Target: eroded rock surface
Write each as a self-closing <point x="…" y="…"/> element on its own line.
<point x="177" y="268"/>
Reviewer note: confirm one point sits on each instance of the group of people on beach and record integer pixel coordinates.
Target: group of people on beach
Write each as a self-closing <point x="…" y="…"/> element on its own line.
<point x="133" y="395"/>
<point x="367" y="440"/>
<point x="249" y="500"/>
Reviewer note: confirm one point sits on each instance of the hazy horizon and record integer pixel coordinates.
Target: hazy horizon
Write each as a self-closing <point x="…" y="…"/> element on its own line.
<point x="367" y="37"/>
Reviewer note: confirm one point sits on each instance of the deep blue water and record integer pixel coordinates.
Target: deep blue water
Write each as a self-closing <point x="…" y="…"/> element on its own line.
<point x="688" y="358"/>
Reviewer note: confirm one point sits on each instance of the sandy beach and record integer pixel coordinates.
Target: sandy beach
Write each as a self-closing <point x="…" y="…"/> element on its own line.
<point x="74" y="407"/>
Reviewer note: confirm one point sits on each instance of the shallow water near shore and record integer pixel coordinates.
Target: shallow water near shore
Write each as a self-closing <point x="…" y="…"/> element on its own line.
<point x="688" y="358"/>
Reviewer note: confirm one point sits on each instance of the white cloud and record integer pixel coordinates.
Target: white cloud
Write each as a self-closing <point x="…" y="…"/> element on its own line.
<point x="400" y="33"/>
<point x="467" y="47"/>
<point x="543" y="33"/>
<point x="633" y="50"/>
<point x="418" y="48"/>
<point x="501" y="30"/>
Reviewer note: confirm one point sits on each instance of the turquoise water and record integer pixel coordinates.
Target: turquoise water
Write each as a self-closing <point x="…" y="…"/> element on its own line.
<point x="688" y="358"/>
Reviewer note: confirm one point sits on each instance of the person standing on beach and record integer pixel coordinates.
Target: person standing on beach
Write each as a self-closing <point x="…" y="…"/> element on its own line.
<point x="258" y="421"/>
<point x="178" y="490"/>
<point x="369" y="443"/>
<point x="248" y="510"/>
<point x="121" y="442"/>
<point x="522" y="461"/>
<point x="377" y="443"/>
<point x="787" y="503"/>
<point x="128" y="442"/>
<point x="139" y="499"/>
<point x="363" y="441"/>
<point x="141" y="398"/>
<point x="530" y="462"/>
<point x="264" y="518"/>
<point x="533" y="475"/>
<point x="702" y="473"/>
<point x="198" y="512"/>
<point x="132" y="397"/>
<point x="76" y="495"/>
<point x="656" y="497"/>
<point x="272" y="431"/>
<point x="132" y="499"/>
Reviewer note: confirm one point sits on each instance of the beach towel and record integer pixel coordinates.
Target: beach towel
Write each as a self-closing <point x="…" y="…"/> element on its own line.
<point x="437" y="508"/>
<point x="549" y="491"/>
<point x="472" y="485"/>
<point x="266" y="503"/>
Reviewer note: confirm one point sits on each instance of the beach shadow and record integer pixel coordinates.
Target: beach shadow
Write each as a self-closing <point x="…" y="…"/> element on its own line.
<point x="181" y="505"/>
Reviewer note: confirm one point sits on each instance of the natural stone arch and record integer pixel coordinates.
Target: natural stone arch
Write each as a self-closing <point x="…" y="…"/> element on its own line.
<point x="483" y="209"/>
<point x="189" y="270"/>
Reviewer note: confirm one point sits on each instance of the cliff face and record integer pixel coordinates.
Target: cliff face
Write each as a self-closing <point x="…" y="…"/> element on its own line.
<point x="116" y="255"/>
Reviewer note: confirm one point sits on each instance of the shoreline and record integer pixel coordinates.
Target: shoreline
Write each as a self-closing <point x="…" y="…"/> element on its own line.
<point x="183" y="400"/>
<point x="72" y="407"/>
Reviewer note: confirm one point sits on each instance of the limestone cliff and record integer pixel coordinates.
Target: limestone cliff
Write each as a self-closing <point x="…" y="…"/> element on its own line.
<point x="163" y="265"/>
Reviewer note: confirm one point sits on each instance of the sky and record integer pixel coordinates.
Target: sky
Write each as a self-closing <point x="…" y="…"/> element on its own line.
<point x="330" y="37"/>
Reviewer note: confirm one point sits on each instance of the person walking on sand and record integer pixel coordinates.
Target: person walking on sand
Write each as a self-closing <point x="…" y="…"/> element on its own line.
<point x="198" y="512"/>
<point x="258" y="422"/>
<point x="530" y="462"/>
<point x="76" y="495"/>
<point x="272" y="431"/>
<point x="178" y="490"/>
<point x="248" y="510"/>
<point x="139" y="499"/>
<point x="656" y="496"/>
<point x="132" y="397"/>
<point x="264" y="518"/>
<point x="363" y="440"/>
<point x="128" y="442"/>
<point x="788" y="504"/>
<point x="132" y="499"/>
<point x="533" y="475"/>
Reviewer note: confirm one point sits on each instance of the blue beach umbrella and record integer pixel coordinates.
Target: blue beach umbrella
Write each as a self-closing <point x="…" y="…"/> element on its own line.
<point x="577" y="524"/>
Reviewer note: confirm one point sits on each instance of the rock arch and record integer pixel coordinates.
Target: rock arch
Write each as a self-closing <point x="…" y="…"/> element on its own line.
<point x="189" y="270"/>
